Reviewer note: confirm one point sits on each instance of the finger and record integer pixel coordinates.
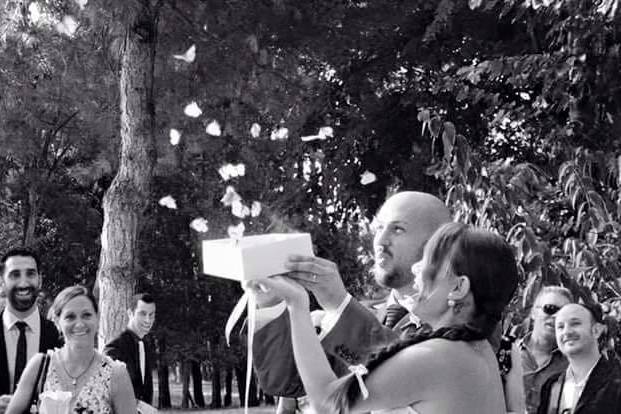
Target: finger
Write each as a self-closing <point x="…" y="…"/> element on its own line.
<point x="308" y="267"/>
<point x="305" y="279"/>
<point x="319" y="261"/>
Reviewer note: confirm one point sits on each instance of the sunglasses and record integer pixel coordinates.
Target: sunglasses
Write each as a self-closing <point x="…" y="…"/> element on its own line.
<point x="550" y="309"/>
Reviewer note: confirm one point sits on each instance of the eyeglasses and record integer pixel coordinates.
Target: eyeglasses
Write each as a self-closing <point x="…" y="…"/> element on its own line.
<point x="550" y="309"/>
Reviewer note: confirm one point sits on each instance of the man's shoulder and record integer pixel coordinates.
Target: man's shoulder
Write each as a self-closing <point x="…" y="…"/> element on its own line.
<point x="122" y="338"/>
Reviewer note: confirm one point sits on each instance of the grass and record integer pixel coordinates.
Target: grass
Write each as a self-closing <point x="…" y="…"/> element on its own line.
<point x="175" y="396"/>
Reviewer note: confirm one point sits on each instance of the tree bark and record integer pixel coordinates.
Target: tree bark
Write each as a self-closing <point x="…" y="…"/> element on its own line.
<point x="216" y="387"/>
<point x="162" y="375"/>
<point x="186" y="398"/>
<point x="197" y="382"/>
<point x="30" y="219"/>
<point x="240" y="373"/>
<point x="129" y="193"/>
<point x="228" y="387"/>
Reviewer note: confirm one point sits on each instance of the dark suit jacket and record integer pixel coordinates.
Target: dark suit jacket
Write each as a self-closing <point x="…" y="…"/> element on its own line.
<point x="125" y="348"/>
<point x="602" y="392"/>
<point x="357" y="333"/>
<point x="49" y="339"/>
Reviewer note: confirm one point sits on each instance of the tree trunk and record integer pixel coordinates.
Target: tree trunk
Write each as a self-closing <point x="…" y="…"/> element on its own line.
<point x="162" y="375"/>
<point x="253" y="399"/>
<point x="30" y="216"/>
<point x="240" y="373"/>
<point x="241" y="383"/>
<point x="126" y="199"/>
<point x="186" y="398"/>
<point x="197" y="381"/>
<point x="228" y="387"/>
<point x="216" y="386"/>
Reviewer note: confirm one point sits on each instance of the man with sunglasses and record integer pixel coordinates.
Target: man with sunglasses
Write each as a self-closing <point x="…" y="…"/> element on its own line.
<point x="591" y="384"/>
<point x="541" y="358"/>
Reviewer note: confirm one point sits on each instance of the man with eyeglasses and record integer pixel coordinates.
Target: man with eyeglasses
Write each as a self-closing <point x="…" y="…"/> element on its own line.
<point x="541" y="358"/>
<point x="591" y="384"/>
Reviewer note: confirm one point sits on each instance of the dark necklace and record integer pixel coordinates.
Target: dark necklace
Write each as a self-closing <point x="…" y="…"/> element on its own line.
<point x="74" y="380"/>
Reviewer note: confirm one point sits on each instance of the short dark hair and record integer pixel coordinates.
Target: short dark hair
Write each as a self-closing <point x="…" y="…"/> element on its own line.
<point x="595" y="310"/>
<point x="18" y="251"/>
<point x="145" y="297"/>
<point x="68" y="294"/>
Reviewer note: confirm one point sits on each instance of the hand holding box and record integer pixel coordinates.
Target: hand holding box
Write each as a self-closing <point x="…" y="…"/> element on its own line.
<point x="253" y="257"/>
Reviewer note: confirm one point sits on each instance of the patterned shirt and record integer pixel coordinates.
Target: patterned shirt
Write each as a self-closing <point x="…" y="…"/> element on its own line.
<point x="535" y="376"/>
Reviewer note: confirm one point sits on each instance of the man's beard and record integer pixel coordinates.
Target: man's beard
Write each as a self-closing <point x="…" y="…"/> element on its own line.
<point x="392" y="279"/>
<point x="19" y="304"/>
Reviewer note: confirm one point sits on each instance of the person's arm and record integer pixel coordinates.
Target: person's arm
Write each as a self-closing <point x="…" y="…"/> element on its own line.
<point x="122" y="391"/>
<point x="390" y="385"/>
<point x="113" y="350"/>
<point x="23" y="393"/>
<point x="514" y="384"/>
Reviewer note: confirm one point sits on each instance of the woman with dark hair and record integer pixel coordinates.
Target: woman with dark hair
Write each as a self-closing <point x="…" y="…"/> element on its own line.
<point x="93" y="382"/>
<point x="468" y="276"/>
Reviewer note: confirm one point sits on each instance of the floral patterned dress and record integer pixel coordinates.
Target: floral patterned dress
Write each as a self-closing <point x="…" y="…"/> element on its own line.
<point x="94" y="395"/>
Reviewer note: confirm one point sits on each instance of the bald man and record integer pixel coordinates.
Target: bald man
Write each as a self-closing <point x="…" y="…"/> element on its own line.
<point x="591" y="384"/>
<point x="349" y="332"/>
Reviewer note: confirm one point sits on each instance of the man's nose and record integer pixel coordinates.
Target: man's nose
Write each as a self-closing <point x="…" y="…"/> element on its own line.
<point x="382" y="237"/>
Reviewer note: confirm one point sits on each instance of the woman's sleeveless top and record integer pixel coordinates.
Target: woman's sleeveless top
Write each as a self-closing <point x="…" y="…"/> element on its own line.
<point x="95" y="396"/>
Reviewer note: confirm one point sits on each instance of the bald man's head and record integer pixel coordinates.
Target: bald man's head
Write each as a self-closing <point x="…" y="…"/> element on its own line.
<point x="403" y="225"/>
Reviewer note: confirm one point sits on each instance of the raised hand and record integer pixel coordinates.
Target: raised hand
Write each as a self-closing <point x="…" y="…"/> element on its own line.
<point x="321" y="277"/>
<point x="285" y="288"/>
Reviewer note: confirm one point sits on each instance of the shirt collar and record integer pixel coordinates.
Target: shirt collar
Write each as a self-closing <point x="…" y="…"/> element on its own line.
<point x="523" y="343"/>
<point x="569" y="375"/>
<point x="9" y="319"/>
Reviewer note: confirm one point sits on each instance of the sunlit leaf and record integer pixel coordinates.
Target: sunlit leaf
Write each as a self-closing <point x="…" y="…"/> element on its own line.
<point x="33" y="12"/>
<point x="239" y="209"/>
<point x="255" y="130"/>
<point x="199" y="224"/>
<point x="255" y="209"/>
<point x="81" y="3"/>
<point x="474" y="4"/>
<point x="525" y="96"/>
<point x="213" y="128"/>
<point x="67" y="26"/>
<point x="308" y="138"/>
<point x="175" y="136"/>
<point x="230" y="196"/>
<point x="367" y="177"/>
<point x="192" y="110"/>
<point x="168" y="202"/>
<point x="325" y="132"/>
<point x="229" y="171"/>
<point x="279" y="134"/>
<point x="188" y="56"/>
<point x="236" y="232"/>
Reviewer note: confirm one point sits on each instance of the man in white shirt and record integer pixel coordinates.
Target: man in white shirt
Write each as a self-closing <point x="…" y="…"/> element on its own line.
<point x="24" y="330"/>
<point x="591" y="384"/>
<point x="349" y="331"/>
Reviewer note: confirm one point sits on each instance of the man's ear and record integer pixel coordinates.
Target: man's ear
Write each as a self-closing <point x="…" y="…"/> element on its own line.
<point x="461" y="289"/>
<point x="598" y="329"/>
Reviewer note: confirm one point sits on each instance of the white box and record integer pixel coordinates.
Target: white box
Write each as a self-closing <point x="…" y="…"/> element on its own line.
<point x="253" y="257"/>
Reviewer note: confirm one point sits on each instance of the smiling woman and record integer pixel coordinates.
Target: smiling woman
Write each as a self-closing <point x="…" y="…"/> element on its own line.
<point x="90" y="380"/>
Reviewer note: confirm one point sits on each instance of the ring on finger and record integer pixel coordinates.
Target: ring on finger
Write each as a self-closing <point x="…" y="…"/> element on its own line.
<point x="314" y="277"/>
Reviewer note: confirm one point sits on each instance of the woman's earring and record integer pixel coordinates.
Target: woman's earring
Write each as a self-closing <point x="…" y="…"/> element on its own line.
<point x="451" y="303"/>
